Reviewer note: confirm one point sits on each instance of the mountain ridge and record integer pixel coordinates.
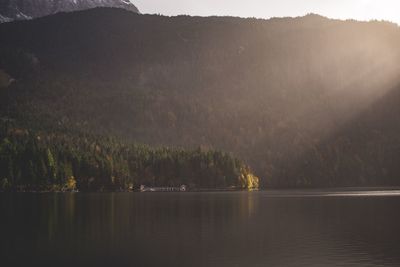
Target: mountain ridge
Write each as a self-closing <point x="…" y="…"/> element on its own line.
<point x="271" y="92"/>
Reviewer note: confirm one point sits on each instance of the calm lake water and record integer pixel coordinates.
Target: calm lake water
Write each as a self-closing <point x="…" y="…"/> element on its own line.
<point x="266" y="228"/>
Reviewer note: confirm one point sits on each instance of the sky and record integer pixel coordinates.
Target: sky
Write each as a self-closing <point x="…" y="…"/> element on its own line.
<point x="341" y="9"/>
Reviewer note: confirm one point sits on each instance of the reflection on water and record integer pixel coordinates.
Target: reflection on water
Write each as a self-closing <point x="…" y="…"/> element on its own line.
<point x="277" y="228"/>
<point x="336" y="193"/>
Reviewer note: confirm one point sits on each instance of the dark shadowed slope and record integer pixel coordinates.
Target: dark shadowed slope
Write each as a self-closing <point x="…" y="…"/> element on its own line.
<point x="270" y="91"/>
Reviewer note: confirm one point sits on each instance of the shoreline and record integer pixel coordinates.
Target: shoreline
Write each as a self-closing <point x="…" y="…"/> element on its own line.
<point x="216" y="190"/>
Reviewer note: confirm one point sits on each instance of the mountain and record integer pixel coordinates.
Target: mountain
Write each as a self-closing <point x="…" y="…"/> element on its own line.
<point x="306" y="102"/>
<point x="28" y="9"/>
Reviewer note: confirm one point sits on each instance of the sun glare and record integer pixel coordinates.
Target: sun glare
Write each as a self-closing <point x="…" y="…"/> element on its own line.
<point x="340" y="9"/>
<point x="381" y="10"/>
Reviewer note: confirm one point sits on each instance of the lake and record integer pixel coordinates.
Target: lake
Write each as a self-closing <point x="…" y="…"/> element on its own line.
<point x="265" y="228"/>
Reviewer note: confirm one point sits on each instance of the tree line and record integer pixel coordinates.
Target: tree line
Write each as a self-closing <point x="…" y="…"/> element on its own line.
<point x="56" y="161"/>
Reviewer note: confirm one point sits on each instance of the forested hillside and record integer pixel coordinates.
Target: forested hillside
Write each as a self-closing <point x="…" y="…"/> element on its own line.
<point x="304" y="101"/>
<point x="58" y="161"/>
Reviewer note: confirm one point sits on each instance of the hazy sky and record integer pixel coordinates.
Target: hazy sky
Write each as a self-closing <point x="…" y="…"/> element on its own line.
<point x="343" y="9"/>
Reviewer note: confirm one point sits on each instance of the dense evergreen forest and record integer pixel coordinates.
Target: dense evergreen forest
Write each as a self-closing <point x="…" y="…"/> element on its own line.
<point x="306" y="102"/>
<point x="41" y="161"/>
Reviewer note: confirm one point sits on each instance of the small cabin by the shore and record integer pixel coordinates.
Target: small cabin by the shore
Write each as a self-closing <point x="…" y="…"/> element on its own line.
<point x="182" y="188"/>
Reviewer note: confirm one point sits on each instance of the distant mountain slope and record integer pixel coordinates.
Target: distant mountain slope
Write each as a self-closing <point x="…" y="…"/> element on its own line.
<point x="276" y="93"/>
<point x="365" y="151"/>
<point x="28" y="9"/>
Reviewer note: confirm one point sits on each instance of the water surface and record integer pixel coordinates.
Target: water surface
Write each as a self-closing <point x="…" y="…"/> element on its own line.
<point x="266" y="228"/>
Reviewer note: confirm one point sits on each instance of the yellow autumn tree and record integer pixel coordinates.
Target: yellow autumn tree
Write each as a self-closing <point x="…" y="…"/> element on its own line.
<point x="71" y="183"/>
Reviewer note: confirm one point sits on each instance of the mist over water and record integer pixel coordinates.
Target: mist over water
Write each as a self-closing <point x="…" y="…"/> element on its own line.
<point x="201" y="229"/>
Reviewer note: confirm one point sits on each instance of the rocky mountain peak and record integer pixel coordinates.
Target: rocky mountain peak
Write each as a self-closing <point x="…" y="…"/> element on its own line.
<point x="27" y="9"/>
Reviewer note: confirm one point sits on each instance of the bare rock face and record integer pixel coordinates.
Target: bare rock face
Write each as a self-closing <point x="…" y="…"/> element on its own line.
<point x="27" y="9"/>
